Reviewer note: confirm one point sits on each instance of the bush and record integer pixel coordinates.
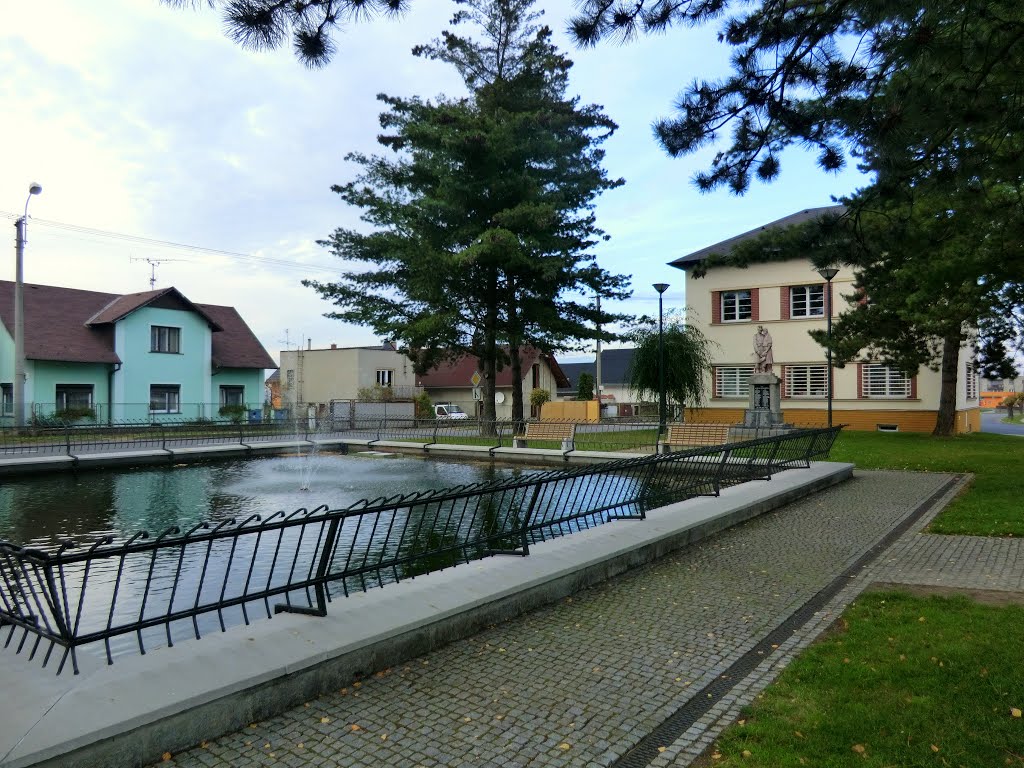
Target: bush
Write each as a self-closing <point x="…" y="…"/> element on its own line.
<point x="74" y="414"/>
<point x="585" y="387"/>
<point x="538" y="397"/>
<point x="233" y="412"/>
<point x="375" y="394"/>
<point x="424" y="407"/>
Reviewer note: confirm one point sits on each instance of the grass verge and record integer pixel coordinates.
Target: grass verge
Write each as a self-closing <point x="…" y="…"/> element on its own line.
<point x="905" y="681"/>
<point x="991" y="507"/>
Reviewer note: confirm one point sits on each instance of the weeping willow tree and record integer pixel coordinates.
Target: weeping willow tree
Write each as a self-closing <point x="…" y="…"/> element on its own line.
<point x="687" y="362"/>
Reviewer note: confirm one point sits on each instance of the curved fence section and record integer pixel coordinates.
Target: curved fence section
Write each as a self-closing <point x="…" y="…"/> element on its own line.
<point x="128" y="596"/>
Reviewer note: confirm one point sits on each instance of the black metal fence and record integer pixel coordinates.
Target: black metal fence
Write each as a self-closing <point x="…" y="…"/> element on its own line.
<point x="146" y="591"/>
<point x="628" y="434"/>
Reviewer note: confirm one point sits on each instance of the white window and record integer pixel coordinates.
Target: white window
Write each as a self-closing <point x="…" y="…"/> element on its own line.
<point x="732" y="380"/>
<point x="882" y="381"/>
<point x="971" y="381"/>
<point x="807" y="301"/>
<point x="806" y="380"/>
<point x="73" y="396"/>
<point x="735" y="306"/>
<point x="163" y="338"/>
<point x="165" y="398"/>
<point x="232" y="395"/>
<point x="385" y="377"/>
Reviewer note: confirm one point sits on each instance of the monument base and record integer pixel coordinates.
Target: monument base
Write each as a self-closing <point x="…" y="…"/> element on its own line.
<point x="763" y="406"/>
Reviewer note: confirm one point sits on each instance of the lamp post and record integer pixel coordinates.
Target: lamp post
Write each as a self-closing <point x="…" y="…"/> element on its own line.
<point x="828" y="273"/>
<point x="661" y="288"/>
<point x="19" y="311"/>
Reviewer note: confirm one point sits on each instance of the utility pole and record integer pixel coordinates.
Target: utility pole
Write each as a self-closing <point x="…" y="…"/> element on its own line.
<point x="19" y="311"/>
<point x="597" y="364"/>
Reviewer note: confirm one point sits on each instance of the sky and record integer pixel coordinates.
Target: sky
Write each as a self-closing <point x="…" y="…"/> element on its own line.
<point x="146" y="122"/>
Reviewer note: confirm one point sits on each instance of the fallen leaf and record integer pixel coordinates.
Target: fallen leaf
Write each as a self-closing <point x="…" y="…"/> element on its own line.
<point x="166" y="756"/>
<point x="325" y="719"/>
<point x="716" y="755"/>
<point x="355" y="727"/>
<point x="662" y="749"/>
<point x="798" y="734"/>
<point x="499" y="717"/>
<point x="934" y="748"/>
<point x="204" y="745"/>
<point x="563" y="746"/>
<point x="301" y="745"/>
<point x="383" y="737"/>
<point x="746" y="753"/>
<point x="921" y="619"/>
<point x="1015" y="712"/>
<point x="858" y="748"/>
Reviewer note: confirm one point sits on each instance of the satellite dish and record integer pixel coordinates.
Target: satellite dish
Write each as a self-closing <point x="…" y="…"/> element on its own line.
<point x="499" y="397"/>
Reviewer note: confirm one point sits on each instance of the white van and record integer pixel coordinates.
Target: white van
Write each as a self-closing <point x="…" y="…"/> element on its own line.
<point x="449" y="411"/>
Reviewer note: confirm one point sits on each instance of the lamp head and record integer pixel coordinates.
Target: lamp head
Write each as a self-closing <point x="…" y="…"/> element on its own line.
<point x="828" y="273"/>
<point x="34" y="188"/>
<point x="661" y="287"/>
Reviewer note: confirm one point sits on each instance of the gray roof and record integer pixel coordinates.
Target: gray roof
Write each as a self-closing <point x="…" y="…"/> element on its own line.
<point x="725" y="246"/>
<point x="614" y="367"/>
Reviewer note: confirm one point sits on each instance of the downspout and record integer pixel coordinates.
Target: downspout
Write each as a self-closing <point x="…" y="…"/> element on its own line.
<point x="114" y="368"/>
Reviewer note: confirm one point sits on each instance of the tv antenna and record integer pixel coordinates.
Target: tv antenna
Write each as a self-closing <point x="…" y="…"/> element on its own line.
<point x="152" y="267"/>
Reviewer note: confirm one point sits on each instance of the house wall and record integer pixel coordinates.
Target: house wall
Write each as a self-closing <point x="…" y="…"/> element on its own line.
<point x="322" y="375"/>
<point x="791" y="345"/>
<point x="46" y="375"/>
<point x="250" y="378"/>
<point x="191" y="369"/>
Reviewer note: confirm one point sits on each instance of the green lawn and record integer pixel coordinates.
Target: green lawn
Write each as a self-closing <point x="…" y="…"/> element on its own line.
<point x="991" y="507"/>
<point x="904" y="681"/>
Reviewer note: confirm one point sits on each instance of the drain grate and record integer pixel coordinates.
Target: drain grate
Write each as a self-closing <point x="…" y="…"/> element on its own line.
<point x="676" y="724"/>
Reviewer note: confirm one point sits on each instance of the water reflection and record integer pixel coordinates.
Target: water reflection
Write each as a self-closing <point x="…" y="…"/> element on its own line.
<point x="41" y="511"/>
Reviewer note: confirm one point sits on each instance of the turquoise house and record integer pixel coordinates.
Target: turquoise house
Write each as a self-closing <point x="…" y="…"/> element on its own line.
<point x="140" y="357"/>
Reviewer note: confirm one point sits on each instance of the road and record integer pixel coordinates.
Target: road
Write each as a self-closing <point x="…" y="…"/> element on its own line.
<point x="991" y="421"/>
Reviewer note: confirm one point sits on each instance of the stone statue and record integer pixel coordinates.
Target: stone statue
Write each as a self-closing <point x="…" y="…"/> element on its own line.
<point x="762" y="351"/>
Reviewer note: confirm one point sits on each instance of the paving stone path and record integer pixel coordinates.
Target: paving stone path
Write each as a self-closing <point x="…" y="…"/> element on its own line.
<point x="582" y="682"/>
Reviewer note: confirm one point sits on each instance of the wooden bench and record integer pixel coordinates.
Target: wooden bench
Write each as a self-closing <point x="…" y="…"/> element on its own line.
<point x="694" y="434"/>
<point x="547" y="430"/>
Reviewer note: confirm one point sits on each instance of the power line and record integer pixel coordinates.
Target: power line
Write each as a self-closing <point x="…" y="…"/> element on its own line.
<point x="137" y="239"/>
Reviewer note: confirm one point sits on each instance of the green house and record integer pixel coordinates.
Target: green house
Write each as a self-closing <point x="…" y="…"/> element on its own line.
<point x="140" y="357"/>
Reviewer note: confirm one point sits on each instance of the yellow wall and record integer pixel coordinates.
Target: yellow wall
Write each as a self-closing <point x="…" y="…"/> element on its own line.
<point x="861" y="420"/>
<point x="569" y="410"/>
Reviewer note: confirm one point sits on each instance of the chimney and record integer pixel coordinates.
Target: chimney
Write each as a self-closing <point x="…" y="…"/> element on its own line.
<point x="309" y="344"/>
<point x="334" y="346"/>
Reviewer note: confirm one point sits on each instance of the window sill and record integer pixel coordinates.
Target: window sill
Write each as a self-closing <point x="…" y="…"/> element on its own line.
<point x="158" y="352"/>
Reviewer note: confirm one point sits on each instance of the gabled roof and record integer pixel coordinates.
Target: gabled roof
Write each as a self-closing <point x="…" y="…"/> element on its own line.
<point x="725" y="246"/>
<point x="457" y="373"/>
<point x="122" y="306"/>
<point x="235" y="346"/>
<point x="75" y="326"/>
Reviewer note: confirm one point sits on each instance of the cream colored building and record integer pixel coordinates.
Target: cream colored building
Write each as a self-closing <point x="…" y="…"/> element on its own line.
<point x="338" y="373"/>
<point x="789" y="299"/>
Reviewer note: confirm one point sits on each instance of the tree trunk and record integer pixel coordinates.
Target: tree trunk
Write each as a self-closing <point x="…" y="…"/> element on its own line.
<point x="945" y="422"/>
<point x="518" y="406"/>
<point x="488" y="367"/>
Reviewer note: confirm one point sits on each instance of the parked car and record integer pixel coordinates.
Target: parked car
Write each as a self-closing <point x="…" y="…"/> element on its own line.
<point x="449" y="411"/>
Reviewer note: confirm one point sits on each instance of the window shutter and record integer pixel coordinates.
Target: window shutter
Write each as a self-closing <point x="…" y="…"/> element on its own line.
<point x="785" y="394"/>
<point x="913" y="387"/>
<point x="784" y="292"/>
<point x="716" y="307"/>
<point x="714" y="376"/>
<point x="755" y="304"/>
<point x="860" y="380"/>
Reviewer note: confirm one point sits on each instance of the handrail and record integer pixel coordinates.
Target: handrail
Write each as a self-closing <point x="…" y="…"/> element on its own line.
<point x="214" y="575"/>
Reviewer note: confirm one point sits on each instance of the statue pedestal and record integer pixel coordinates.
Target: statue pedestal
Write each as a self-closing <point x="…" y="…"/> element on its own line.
<point x="765" y="401"/>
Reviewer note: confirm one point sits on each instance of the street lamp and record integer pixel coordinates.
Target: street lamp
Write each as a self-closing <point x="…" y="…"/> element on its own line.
<point x="828" y="273"/>
<point x="19" y="311"/>
<point x="661" y="288"/>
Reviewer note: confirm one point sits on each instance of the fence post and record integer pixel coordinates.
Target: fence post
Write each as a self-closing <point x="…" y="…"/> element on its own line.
<point x="320" y="580"/>
<point x="67" y="439"/>
<point x="527" y="519"/>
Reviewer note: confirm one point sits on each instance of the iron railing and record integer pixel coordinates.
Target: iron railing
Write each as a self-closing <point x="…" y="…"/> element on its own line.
<point x="149" y="590"/>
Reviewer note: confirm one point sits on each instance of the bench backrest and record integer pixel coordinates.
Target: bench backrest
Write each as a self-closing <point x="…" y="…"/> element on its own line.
<point x="697" y="434"/>
<point x="547" y="430"/>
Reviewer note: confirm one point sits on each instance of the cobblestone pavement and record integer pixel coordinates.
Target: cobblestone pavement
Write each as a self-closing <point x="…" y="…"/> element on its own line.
<point x="581" y="682"/>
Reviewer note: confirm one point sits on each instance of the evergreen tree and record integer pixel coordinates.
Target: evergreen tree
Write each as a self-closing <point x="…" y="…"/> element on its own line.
<point x="483" y="220"/>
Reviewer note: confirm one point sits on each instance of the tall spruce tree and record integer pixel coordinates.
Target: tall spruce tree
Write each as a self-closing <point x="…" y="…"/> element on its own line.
<point x="482" y="218"/>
